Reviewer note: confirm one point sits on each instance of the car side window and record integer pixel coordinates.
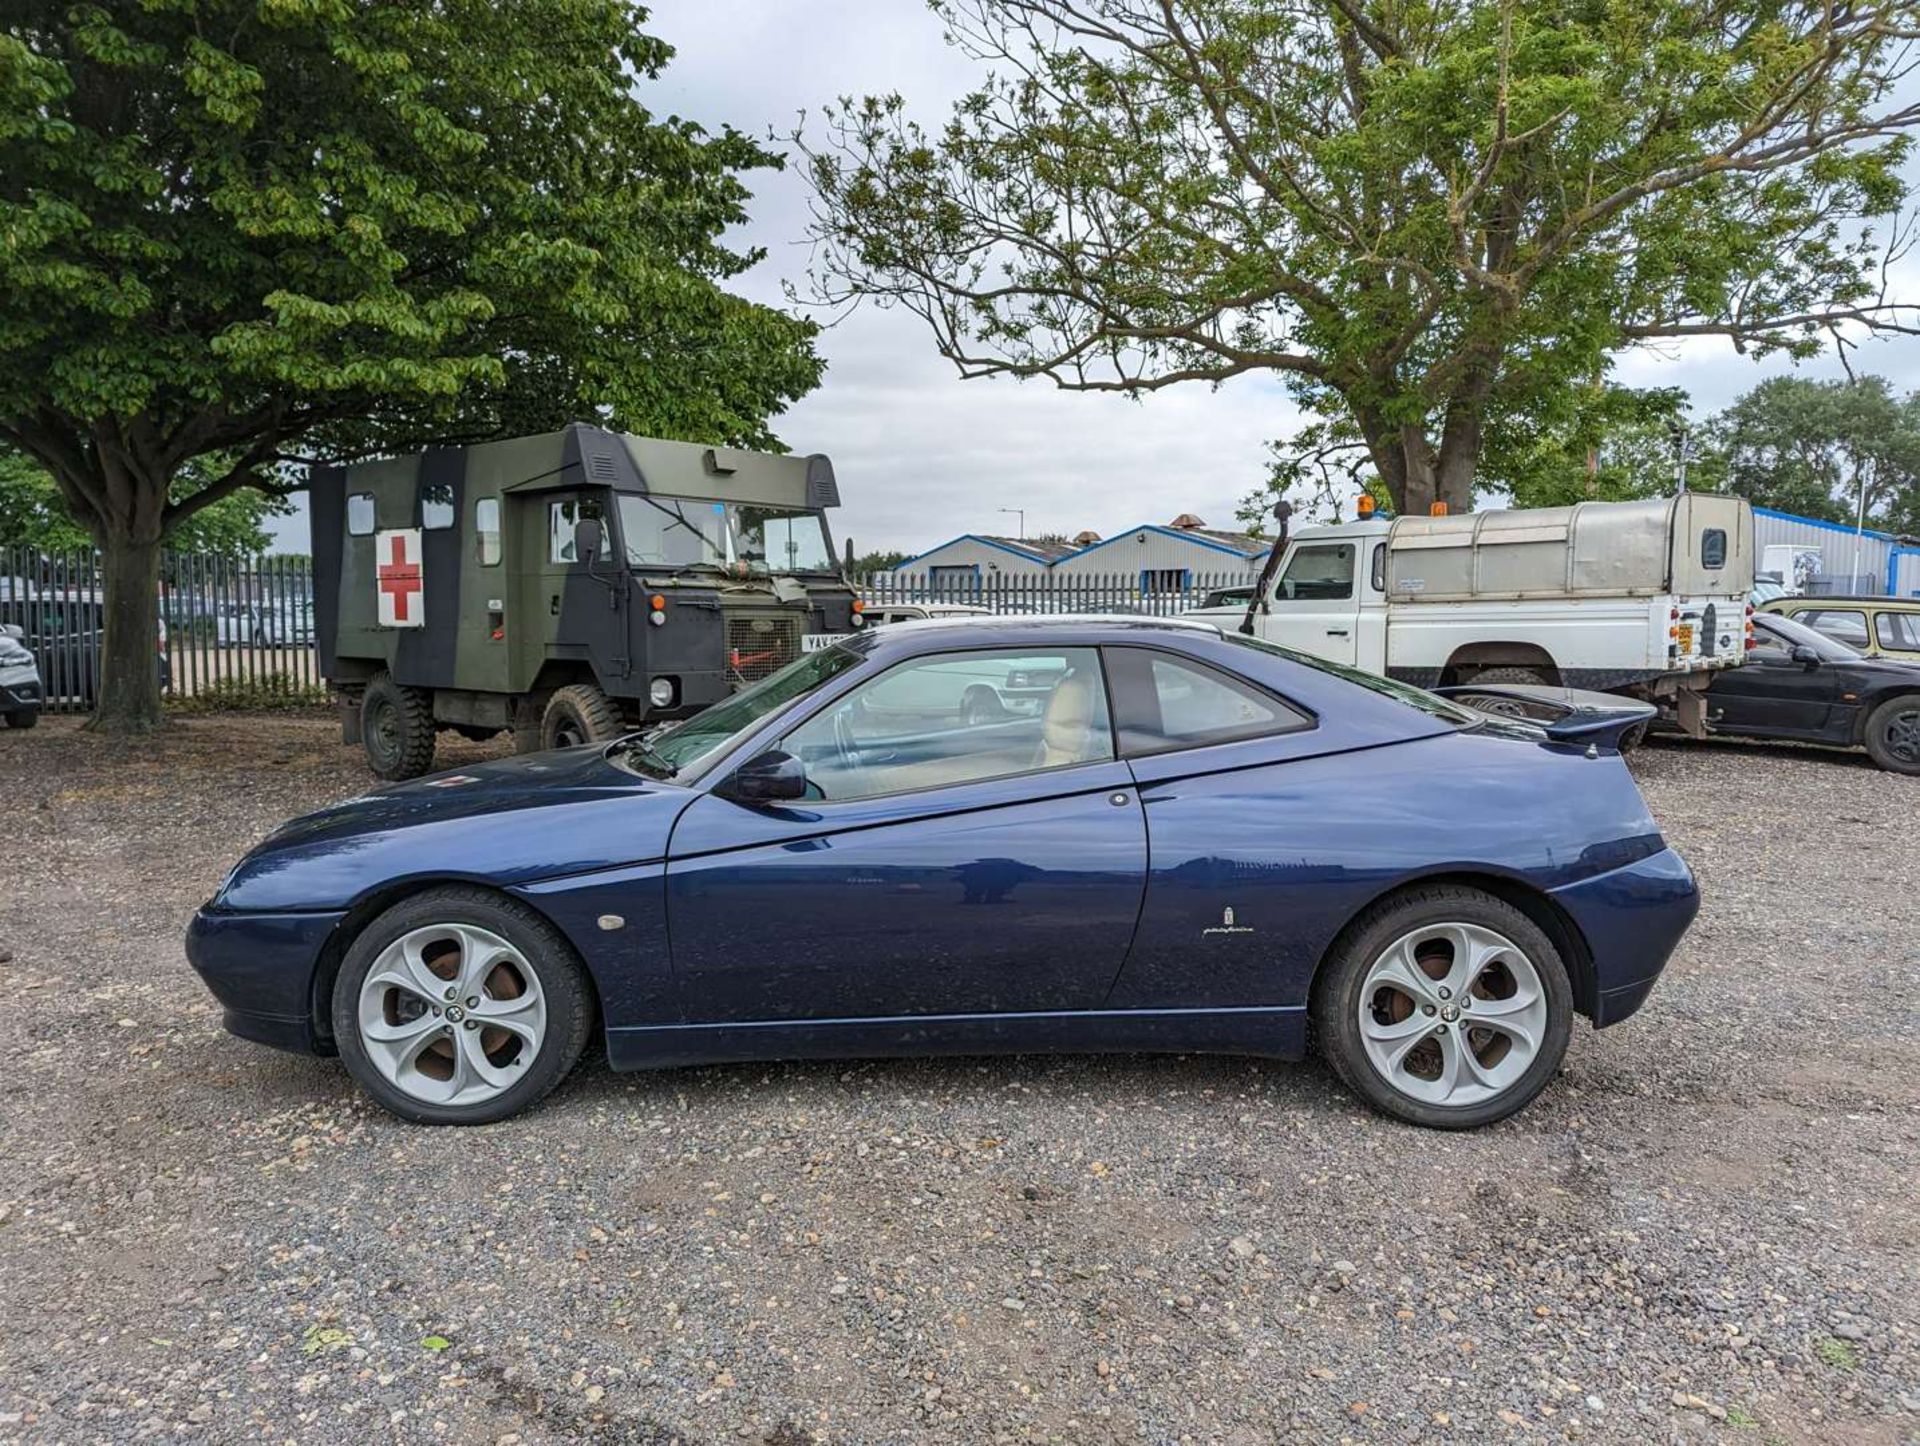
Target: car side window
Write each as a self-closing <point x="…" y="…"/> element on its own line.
<point x="360" y="514"/>
<point x="1322" y="572"/>
<point x="1900" y="631"/>
<point x="961" y="717"/>
<point x="1163" y="701"/>
<point x="1843" y="625"/>
<point x="561" y="516"/>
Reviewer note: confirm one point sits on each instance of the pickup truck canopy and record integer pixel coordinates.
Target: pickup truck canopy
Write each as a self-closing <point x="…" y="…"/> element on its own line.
<point x="1695" y="544"/>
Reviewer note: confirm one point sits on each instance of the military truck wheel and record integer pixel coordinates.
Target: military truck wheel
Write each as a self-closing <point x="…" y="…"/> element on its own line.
<point x="579" y="714"/>
<point x="396" y="729"/>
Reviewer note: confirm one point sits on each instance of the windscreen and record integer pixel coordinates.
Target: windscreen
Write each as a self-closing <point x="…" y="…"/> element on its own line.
<point x="676" y="532"/>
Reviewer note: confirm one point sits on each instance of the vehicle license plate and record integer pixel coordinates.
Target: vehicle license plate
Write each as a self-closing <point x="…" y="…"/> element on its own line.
<point x="814" y="642"/>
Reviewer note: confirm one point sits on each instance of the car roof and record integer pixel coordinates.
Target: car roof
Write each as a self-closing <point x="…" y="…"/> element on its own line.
<point x="1864" y="598"/>
<point x="1025" y="629"/>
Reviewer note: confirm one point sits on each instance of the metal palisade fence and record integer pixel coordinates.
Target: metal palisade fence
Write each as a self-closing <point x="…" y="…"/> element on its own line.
<point x="1162" y="595"/>
<point x="240" y="631"/>
<point x="233" y="631"/>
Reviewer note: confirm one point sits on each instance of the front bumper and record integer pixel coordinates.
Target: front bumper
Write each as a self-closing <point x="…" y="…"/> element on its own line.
<point x="20" y="688"/>
<point x="1631" y="918"/>
<point x="261" y="968"/>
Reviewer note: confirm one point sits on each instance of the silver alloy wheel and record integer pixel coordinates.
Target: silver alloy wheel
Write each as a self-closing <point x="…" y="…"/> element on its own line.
<point x="451" y="1014"/>
<point x="1452" y="1014"/>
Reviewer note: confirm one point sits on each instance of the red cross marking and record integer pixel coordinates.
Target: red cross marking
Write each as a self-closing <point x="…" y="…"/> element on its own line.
<point x="399" y="579"/>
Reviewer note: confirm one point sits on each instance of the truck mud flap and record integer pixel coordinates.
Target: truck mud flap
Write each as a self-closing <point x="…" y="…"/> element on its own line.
<point x="1690" y="711"/>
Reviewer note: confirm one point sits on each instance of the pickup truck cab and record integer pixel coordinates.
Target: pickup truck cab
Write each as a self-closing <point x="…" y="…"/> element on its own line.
<point x="1647" y="598"/>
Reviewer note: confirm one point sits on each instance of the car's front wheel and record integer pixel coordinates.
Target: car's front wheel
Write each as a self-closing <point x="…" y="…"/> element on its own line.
<point x="1893" y="734"/>
<point x="459" y="1007"/>
<point x="23" y="718"/>
<point x="1444" y="1006"/>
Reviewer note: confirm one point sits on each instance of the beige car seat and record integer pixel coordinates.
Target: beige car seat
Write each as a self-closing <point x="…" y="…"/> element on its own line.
<point x="1067" y="733"/>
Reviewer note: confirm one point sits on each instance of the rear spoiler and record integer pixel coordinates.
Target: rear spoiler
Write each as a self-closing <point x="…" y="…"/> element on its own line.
<point x="1566" y="715"/>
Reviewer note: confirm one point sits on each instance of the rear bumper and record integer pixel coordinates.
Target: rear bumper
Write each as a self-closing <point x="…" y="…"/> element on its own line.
<point x="261" y="969"/>
<point x="1631" y="918"/>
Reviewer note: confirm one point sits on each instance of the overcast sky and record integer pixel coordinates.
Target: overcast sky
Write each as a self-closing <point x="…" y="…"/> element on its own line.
<point x="923" y="456"/>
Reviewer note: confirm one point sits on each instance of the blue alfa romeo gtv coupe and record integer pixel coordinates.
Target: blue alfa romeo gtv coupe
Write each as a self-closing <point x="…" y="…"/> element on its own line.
<point x="1032" y="834"/>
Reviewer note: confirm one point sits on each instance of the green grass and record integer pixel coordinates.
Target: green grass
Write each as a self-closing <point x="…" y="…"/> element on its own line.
<point x="1740" y="1416"/>
<point x="1841" y="1355"/>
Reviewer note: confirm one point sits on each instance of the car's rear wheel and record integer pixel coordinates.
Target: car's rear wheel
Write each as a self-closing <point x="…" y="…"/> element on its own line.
<point x="396" y="729"/>
<point x="1893" y="734"/>
<point x="1444" y="1006"/>
<point x="459" y="1007"/>
<point x="579" y="714"/>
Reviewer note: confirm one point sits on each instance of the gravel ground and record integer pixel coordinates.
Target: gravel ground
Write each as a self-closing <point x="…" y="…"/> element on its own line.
<point x="1709" y="1223"/>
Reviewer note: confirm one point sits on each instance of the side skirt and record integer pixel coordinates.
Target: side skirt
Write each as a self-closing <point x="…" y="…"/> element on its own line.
<point x="1276" y="1033"/>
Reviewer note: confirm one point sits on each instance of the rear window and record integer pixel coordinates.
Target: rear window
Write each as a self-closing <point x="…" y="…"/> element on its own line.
<point x="1713" y="547"/>
<point x="1420" y="698"/>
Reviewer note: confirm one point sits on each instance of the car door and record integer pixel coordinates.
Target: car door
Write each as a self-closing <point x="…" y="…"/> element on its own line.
<point x="1313" y="607"/>
<point x="1898" y="634"/>
<point x="942" y="863"/>
<point x="1772" y="694"/>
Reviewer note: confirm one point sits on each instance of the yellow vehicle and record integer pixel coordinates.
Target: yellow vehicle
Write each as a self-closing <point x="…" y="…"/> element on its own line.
<point x="1880" y="627"/>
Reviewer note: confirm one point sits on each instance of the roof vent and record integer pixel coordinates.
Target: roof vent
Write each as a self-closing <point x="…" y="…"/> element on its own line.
<point x="601" y="467"/>
<point x="1186" y="522"/>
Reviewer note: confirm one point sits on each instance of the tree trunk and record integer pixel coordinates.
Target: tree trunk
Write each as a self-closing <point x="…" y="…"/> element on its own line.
<point x="129" y="700"/>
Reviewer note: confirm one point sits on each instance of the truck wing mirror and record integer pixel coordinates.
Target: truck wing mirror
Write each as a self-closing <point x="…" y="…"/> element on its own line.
<point x="589" y="538"/>
<point x="770" y="777"/>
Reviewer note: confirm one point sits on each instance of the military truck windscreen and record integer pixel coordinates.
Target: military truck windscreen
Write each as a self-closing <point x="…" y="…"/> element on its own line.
<point x="676" y="532"/>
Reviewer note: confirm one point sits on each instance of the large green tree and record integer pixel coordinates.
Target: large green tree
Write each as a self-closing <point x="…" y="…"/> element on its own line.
<point x="1424" y="217"/>
<point x="1826" y="449"/>
<point x="263" y="230"/>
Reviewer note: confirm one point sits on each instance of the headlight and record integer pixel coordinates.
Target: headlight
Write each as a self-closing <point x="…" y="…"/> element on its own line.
<point x="660" y="692"/>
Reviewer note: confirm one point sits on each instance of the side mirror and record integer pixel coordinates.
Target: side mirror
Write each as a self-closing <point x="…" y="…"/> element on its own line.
<point x="770" y="777"/>
<point x="1805" y="656"/>
<point x="588" y="539"/>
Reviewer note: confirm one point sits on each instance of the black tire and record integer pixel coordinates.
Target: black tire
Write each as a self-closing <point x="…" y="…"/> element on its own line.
<point x="1893" y="734"/>
<point x="396" y="729"/>
<point x="1337" y="989"/>
<point x="1513" y="675"/>
<point x="563" y="981"/>
<point x="579" y="714"/>
<point x="23" y="718"/>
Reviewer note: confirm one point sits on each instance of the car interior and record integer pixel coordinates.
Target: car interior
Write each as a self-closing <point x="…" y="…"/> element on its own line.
<point x="930" y="727"/>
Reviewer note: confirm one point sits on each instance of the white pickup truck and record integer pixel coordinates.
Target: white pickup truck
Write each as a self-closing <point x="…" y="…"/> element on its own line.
<point x="1647" y="598"/>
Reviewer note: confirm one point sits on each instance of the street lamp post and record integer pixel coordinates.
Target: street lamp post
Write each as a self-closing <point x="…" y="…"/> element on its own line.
<point x="1021" y="512"/>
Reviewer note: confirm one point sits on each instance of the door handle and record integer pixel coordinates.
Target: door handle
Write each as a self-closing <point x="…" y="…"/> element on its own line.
<point x="1336" y="632"/>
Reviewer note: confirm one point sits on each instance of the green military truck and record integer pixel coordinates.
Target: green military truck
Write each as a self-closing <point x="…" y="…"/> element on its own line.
<point x="568" y="587"/>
